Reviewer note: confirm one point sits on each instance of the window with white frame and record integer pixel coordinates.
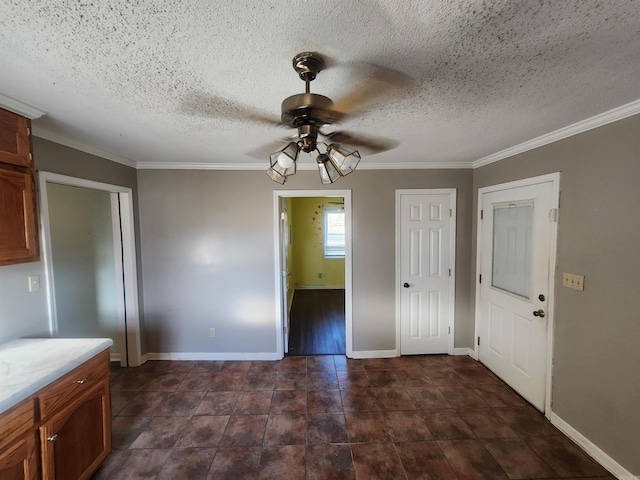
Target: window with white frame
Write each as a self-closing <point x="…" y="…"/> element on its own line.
<point x="334" y="233"/>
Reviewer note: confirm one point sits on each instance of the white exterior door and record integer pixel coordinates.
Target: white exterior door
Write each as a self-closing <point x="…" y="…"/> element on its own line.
<point x="516" y="252"/>
<point x="426" y="234"/>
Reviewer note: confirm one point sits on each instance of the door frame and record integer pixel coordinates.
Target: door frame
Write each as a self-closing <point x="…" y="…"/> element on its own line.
<point x="452" y="279"/>
<point x="125" y="259"/>
<point x="278" y="195"/>
<point x="554" y="178"/>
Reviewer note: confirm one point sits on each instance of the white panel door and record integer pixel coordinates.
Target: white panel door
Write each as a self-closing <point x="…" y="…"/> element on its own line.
<point x="425" y="235"/>
<point x="284" y="244"/>
<point x="515" y="248"/>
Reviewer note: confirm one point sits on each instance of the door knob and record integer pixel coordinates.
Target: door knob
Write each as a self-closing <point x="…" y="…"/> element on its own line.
<point x="406" y="285"/>
<point x="539" y="313"/>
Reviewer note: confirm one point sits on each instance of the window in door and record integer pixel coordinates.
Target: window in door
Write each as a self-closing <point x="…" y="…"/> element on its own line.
<point x="512" y="248"/>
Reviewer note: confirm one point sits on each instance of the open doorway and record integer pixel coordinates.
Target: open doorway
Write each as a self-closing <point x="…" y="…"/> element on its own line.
<point x="89" y="255"/>
<point x="313" y="268"/>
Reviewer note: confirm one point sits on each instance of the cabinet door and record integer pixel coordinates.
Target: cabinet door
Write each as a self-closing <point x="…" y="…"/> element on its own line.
<point x="15" y="144"/>
<point x="20" y="462"/>
<point x="19" y="232"/>
<point x="77" y="439"/>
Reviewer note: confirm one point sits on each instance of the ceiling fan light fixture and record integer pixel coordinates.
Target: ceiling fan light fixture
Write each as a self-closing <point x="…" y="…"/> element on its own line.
<point x="345" y="159"/>
<point x="283" y="163"/>
<point x="328" y="171"/>
<point x="276" y="177"/>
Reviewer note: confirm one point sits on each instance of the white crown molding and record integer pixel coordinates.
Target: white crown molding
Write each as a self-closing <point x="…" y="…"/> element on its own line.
<point x="611" y="116"/>
<point x="20" y="108"/>
<point x="415" y="166"/>
<point x="605" y="118"/>
<point x="201" y="166"/>
<point x="302" y="166"/>
<point x="67" y="142"/>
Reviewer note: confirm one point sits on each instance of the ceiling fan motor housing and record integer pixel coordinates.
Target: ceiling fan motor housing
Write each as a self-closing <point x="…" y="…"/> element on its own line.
<point x="308" y="109"/>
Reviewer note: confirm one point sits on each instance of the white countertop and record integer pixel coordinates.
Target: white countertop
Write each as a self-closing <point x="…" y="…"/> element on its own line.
<point x="27" y="365"/>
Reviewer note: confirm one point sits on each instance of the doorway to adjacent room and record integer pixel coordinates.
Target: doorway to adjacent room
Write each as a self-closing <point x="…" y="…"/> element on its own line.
<point x="313" y="263"/>
<point x="89" y="256"/>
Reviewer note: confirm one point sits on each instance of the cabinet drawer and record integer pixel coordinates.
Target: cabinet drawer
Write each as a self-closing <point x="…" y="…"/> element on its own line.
<point x="16" y="421"/>
<point x="73" y="384"/>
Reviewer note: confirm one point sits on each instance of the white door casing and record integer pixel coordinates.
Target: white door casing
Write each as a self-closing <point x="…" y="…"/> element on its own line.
<point x="517" y="229"/>
<point x="125" y="258"/>
<point x="425" y="259"/>
<point x="278" y="195"/>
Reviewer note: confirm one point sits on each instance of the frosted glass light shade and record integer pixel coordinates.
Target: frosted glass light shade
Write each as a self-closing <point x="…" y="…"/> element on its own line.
<point x="282" y="163"/>
<point x="345" y="159"/>
<point x="276" y="177"/>
<point x="328" y="171"/>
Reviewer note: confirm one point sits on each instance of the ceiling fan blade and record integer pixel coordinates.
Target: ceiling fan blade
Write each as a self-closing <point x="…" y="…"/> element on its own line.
<point x="205" y="105"/>
<point x="363" y="143"/>
<point x="380" y="82"/>
<point x="263" y="151"/>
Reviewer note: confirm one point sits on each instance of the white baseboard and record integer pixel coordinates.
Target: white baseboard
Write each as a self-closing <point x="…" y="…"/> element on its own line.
<point x="375" y="353"/>
<point x="463" y="351"/>
<point x="320" y="287"/>
<point x="211" y="356"/>
<point x="593" y="450"/>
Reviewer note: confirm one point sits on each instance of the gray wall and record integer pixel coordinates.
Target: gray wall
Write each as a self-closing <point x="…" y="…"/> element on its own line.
<point x="596" y="373"/>
<point x="83" y="257"/>
<point x="23" y="313"/>
<point x="208" y="256"/>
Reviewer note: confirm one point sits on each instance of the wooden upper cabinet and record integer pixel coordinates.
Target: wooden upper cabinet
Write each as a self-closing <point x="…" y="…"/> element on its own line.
<point x="15" y="139"/>
<point x="18" y="215"/>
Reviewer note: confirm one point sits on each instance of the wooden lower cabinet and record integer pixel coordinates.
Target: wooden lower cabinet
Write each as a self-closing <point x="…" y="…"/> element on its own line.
<point x="63" y="432"/>
<point x="20" y="462"/>
<point x="76" y="441"/>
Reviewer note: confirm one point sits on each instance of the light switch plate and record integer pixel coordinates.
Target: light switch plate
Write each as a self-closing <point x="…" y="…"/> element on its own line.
<point x="212" y="332"/>
<point x="572" y="280"/>
<point x="34" y="283"/>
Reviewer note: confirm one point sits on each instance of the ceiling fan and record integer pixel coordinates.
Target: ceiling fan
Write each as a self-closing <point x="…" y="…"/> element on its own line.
<point x="309" y="112"/>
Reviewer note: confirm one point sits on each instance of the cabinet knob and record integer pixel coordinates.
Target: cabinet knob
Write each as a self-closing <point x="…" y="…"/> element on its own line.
<point x="82" y="381"/>
<point x="53" y="437"/>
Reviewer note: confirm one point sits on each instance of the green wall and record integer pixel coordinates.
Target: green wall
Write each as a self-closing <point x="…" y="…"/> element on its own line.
<point x="307" y="258"/>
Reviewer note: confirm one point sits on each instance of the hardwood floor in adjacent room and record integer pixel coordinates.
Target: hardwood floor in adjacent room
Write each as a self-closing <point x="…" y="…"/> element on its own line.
<point x="317" y="323"/>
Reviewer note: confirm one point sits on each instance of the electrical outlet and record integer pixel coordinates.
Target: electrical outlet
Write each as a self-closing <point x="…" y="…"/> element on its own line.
<point x="212" y="332"/>
<point x="319" y="275"/>
<point x="572" y="280"/>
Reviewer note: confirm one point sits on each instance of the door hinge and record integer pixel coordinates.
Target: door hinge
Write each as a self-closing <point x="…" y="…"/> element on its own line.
<point x="449" y="272"/>
<point x="285" y="330"/>
<point x="281" y="215"/>
<point x="450" y="213"/>
<point x="449" y="330"/>
<point x="553" y="215"/>
<point x="478" y="341"/>
<point x="480" y="278"/>
<point x="481" y="214"/>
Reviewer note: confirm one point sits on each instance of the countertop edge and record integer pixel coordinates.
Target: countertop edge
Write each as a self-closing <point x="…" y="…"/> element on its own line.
<point x="26" y="392"/>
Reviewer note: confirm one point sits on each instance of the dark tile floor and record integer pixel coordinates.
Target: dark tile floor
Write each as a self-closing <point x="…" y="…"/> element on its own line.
<point x="327" y="417"/>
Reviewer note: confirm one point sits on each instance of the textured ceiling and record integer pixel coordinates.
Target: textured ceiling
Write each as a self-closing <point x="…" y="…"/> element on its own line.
<point x="171" y="81"/>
